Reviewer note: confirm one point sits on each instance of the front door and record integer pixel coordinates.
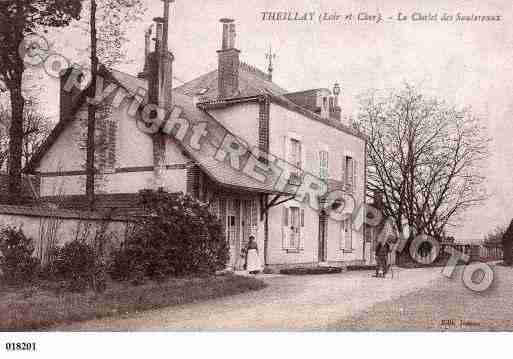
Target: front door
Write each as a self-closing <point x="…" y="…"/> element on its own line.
<point x="323" y="237"/>
<point x="232" y="230"/>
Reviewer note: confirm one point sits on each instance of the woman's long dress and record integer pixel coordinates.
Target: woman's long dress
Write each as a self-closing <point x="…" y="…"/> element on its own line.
<point x="253" y="263"/>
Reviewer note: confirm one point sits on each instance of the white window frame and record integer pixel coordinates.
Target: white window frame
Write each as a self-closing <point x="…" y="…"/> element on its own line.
<point x="295" y="168"/>
<point x="346" y="235"/>
<point x="324" y="171"/>
<point x="287" y="224"/>
<point x="348" y="171"/>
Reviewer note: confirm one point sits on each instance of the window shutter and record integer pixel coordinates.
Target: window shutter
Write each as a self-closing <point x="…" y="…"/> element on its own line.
<point x="342" y="241"/>
<point x="254" y="213"/>
<point x="348" y="235"/>
<point x="320" y="164"/>
<point x="301" y="232"/>
<point x="286" y="156"/>
<point x="343" y="171"/>
<point x="302" y="157"/>
<point x="285" y="228"/>
<point x="254" y="217"/>
<point x="237" y="205"/>
<point x="222" y="212"/>
<point x="215" y="208"/>
<point x="355" y="175"/>
<point x="323" y="163"/>
<point x="327" y="164"/>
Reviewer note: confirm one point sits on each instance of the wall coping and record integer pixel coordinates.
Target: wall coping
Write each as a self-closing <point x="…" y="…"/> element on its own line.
<point x="46" y="212"/>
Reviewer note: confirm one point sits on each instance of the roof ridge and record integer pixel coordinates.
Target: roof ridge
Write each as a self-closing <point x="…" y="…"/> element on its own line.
<point x="244" y="66"/>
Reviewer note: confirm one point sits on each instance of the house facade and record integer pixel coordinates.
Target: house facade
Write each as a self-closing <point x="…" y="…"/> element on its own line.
<point x="265" y="159"/>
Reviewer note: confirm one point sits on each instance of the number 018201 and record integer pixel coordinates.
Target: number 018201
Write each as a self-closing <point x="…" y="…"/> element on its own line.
<point x="20" y="346"/>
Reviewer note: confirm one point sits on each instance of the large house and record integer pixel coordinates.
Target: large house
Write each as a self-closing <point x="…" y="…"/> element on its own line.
<point x="263" y="157"/>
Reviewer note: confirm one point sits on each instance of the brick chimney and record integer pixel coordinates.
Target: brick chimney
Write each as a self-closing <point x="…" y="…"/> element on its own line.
<point x="228" y="62"/>
<point x="70" y="87"/>
<point x="147" y="42"/>
<point x="335" y="110"/>
<point x="159" y="76"/>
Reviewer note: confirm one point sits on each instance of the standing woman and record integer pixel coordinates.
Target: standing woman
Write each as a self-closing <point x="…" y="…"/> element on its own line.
<point x="253" y="264"/>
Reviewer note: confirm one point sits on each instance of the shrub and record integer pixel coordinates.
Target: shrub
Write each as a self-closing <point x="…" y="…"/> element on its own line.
<point x="75" y="264"/>
<point x="355" y="267"/>
<point x="17" y="264"/>
<point x="311" y="270"/>
<point x="179" y="236"/>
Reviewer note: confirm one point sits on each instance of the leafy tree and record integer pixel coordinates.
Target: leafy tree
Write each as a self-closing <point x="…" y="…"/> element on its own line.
<point x="425" y="156"/>
<point x="113" y="19"/>
<point x="20" y="18"/>
<point x="495" y="236"/>
<point x="507" y="245"/>
<point x="178" y="236"/>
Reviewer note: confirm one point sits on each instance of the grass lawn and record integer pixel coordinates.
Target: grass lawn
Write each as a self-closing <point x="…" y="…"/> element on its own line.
<point x="39" y="307"/>
<point x="447" y="305"/>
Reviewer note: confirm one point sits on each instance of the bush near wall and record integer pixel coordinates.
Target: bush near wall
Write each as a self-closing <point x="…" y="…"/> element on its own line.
<point x="178" y="236"/>
<point x="74" y="265"/>
<point x="17" y="265"/>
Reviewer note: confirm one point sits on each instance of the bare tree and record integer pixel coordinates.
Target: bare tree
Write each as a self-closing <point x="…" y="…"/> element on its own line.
<point x="425" y="156"/>
<point x="36" y="127"/>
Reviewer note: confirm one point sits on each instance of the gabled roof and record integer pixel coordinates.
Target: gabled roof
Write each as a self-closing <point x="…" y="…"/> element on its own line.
<point x="252" y="83"/>
<point x="220" y="172"/>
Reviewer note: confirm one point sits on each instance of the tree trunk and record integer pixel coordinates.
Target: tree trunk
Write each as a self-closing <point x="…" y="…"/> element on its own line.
<point x="91" y="117"/>
<point x="507" y="248"/>
<point x="15" y="141"/>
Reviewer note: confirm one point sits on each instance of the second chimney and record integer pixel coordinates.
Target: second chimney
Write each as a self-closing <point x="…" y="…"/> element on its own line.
<point x="228" y="62"/>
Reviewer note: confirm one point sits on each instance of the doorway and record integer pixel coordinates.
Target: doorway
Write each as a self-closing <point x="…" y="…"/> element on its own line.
<point x="323" y="237"/>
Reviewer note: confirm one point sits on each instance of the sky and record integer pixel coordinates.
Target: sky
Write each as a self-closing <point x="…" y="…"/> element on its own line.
<point x="465" y="63"/>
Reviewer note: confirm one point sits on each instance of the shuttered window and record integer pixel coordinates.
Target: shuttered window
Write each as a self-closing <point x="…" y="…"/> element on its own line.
<point x="348" y="173"/>
<point x="355" y="175"/>
<point x="346" y="235"/>
<point x="284" y="227"/>
<point x="295" y="154"/>
<point x="293" y="221"/>
<point x="323" y="165"/>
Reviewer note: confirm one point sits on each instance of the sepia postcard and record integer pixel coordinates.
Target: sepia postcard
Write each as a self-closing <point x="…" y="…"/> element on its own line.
<point x="174" y="166"/>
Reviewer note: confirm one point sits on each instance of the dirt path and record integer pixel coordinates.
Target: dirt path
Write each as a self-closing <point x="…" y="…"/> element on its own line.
<point x="289" y="303"/>
<point x="445" y="305"/>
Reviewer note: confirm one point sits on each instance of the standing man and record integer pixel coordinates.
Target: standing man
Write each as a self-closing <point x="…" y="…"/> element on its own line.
<point x="382" y="250"/>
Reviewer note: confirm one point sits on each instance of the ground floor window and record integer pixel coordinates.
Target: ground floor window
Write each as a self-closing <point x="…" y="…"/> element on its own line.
<point x="346" y="235"/>
<point x="293" y="222"/>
